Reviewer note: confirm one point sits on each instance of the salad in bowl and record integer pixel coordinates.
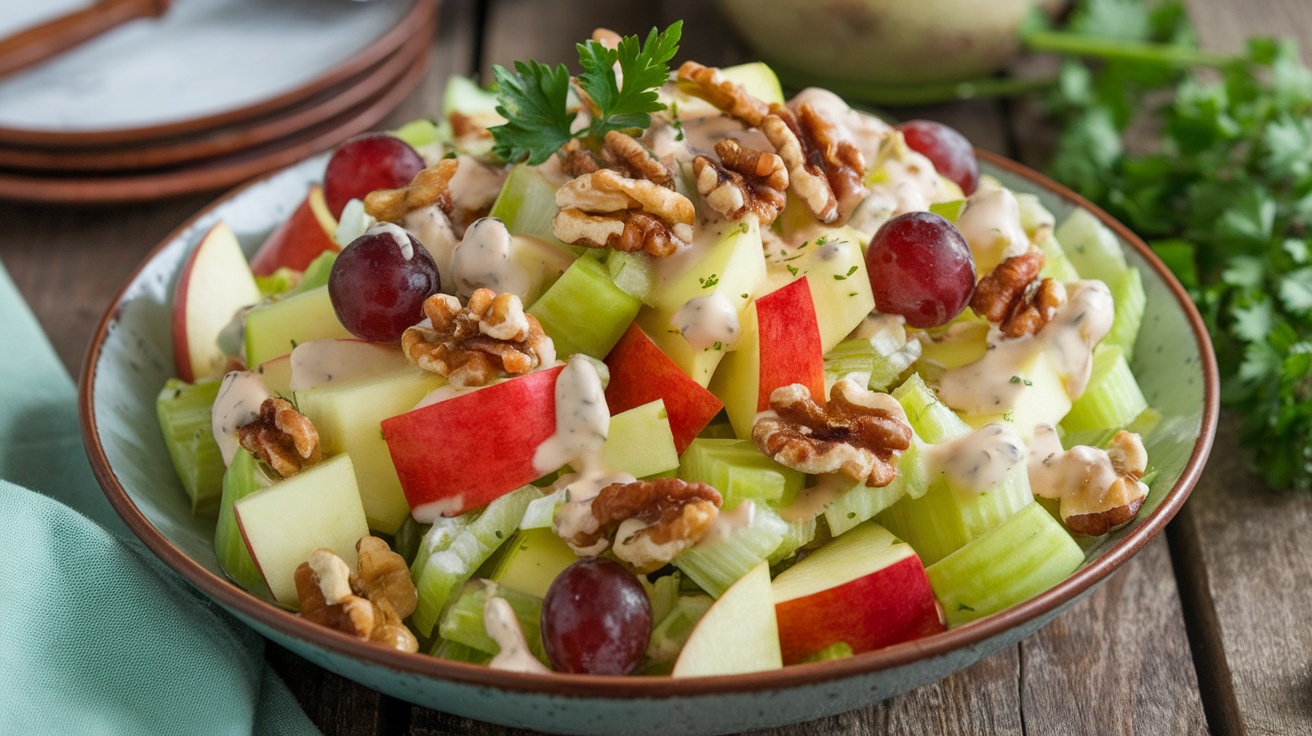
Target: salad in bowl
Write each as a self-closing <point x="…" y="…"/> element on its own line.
<point x="653" y="375"/>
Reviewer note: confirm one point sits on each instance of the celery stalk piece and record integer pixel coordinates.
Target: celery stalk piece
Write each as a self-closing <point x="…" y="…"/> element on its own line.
<point x="716" y="564"/>
<point x="1056" y="264"/>
<point x="632" y="272"/>
<point x="442" y="572"/>
<point x="931" y="419"/>
<point x="584" y="311"/>
<point x="739" y="471"/>
<point x="457" y="652"/>
<point x="946" y="519"/>
<point x="439" y="537"/>
<point x="1018" y="559"/>
<point x="672" y="630"/>
<point x="541" y="511"/>
<point x="1091" y="247"/>
<point x="317" y="272"/>
<point x="184" y="417"/>
<point x="1034" y="217"/>
<point x="1113" y="398"/>
<point x="243" y="477"/>
<point x="527" y="204"/>
<point x="462" y="622"/>
<point x="1130" y="299"/>
<point x="663" y="594"/>
<point x="800" y="533"/>
<point x="853" y="359"/>
<point x="861" y="502"/>
<point x="409" y="537"/>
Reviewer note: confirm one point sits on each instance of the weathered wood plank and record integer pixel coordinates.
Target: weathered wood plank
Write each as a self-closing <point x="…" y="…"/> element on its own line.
<point x="547" y="30"/>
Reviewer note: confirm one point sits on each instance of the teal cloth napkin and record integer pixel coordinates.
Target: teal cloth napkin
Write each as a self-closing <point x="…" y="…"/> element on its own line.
<point x="98" y="635"/>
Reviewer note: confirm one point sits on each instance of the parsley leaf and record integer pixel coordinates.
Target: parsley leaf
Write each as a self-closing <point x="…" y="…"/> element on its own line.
<point x="534" y="98"/>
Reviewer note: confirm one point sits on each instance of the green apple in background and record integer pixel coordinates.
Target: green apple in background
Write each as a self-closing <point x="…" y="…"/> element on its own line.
<point x="884" y="41"/>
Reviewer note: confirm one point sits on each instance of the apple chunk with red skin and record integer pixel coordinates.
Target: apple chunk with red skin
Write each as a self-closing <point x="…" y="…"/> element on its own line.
<point x="779" y="345"/>
<point x="866" y="588"/>
<point x="215" y="283"/>
<point x="464" y="452"/>
<point x="641" y="373"/>
<point x="299" y="239"/>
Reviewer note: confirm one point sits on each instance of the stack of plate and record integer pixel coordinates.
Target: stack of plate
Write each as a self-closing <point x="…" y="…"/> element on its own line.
<point x="211" y="94"/>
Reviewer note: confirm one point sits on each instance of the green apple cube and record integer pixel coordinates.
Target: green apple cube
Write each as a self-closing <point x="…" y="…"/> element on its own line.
<point x="1056" y="265"/>
<point x="640" y="442"/>
<point x="184" y="418"/>
<point x="318" y="507"/>
<point x="243" y="477"/>
<point x="835" y="267"/>
<point x="347" y="416"/>
<point x="531" y="560"/>
<point x="1020" y="558"/>
<point x="756" y="78"/>
<point x="584" y="311"/>
<point x="739" y="471"/>
<point x="733" y="268"/>
<point x="1091" y="246"/>
<point x="276" y="328"/>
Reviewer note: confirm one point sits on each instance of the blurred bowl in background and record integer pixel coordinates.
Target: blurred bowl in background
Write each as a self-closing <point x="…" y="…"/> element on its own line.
<point x="889" y="42"/>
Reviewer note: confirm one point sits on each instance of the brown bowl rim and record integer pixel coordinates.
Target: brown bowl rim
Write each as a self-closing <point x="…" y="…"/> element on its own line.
<point x="419" y="13"/>
<point x="596" y="686"/>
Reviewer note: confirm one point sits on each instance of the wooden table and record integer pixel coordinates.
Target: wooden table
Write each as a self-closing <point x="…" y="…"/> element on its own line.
<point x="1206" y="629"/>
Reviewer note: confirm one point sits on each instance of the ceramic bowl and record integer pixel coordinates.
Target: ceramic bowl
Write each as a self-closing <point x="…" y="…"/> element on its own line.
<point x="131" y="357"/>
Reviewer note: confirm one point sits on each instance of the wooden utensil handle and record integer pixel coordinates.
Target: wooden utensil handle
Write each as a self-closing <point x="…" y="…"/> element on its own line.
<point x="42" y="41"/>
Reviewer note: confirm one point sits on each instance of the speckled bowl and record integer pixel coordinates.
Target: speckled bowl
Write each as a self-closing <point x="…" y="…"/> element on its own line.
<point x="131" y="357"/>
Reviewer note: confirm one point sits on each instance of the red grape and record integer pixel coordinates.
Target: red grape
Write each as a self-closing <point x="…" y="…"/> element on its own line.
<point x="376" y="290"/>
<point x="365" y="163"/>
<point x="949" y="151"/>
<point x="596" y="619"/>
<point x="921" y="268"/>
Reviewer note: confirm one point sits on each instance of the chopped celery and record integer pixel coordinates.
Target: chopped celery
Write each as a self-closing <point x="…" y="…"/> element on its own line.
<point x="408" y="538"/>
<point x="739" y="471"/>
<point x="1091" y="247"/>
<point x="540" y="511"/>
<point x="442" y="572"/>
<point x="1130" y="299"/>
<point x="1113" y="398"/>
<point x="457" y="652"/>
<point x="663" y="594"/>
<point x="930" y="418"/>
<point x="243" y="477"/>
<point x="715" y="564"/>
<point x="862" y="502"/>
<point x="317" y="272"/>
<point x="184" y="416"/>
<point x="1055" y="263"/>
<point x="527" y="204"/>
<point x="946" y="519"/>
<point x="462" y="622"/>
<point x="800" y="532"/>
<point x="672" y="630"/>
<point x="837" y="650"/>
<point x="584" y="311"/>
<point x="1018" y="559"/>
<point x="632" y="272"/>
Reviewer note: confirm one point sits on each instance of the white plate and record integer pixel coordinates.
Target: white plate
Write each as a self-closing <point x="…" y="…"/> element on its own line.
<point x="203" y="62"/>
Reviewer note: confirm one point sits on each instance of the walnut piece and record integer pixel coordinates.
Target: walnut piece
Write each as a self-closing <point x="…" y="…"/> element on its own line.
<point x="824" y="169"/>
<point x="490" y="336"/>
<point x="626" y="154"/>
<point x="1124" y="496"/>
<point x="651" y="521"/>
<point x="1014" y="297"/>
<point x="431" y="186"/>
<point x="858" y="432"/>
<point x="370" y="603"/>
<point x="606" y="209"/>
<point x="743" y="181"/>
<point x="282" y="437"/>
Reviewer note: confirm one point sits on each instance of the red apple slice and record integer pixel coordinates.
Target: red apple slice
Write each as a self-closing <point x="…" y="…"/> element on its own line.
<point x="465" y="451"/>
<point x="641" y="373"/>
<point x="779" y="345"/>
<point x="214" y="284"/>
<point x="866" y="588"/>
<point x="299" y="239"/>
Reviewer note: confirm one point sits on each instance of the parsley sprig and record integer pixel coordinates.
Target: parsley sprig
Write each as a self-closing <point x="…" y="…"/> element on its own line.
<point x="534" y="98"/>
<point x="1223" y="193"/>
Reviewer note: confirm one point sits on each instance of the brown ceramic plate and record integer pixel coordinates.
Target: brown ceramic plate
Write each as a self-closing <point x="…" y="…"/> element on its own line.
<point x="130" y="358"/>
<point x="216" y="173"/>
<point x="154" y="67"/>
<point x="226" y="140"/>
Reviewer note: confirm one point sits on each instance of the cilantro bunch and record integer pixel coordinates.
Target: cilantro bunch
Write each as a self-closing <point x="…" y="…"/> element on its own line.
<point x="535" y="98"/>
<point x="1223" y="194"/>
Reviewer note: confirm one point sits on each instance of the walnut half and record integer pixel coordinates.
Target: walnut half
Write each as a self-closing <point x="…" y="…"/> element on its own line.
<point x="1099" y="490"/>
<point x="858" y="432"/>
<point x="652" y="521"/>
<point x="370" y="603"/>
<point x="743" y="181"/>
<point x="471" y="345"/>
<point x="605" y="209"/>
<point x="1013" y="296"/>
<point x="282" y="437"/>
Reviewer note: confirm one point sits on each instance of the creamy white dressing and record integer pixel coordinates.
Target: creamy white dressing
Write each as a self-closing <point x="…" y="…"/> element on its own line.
<point x="866" y="132"/>
<point x="1082" y="477"/>
<point x="503" y="626"/>
<point x="812" y="500"/>
<point x="431" y="227"/>
<point x="728" y="522"/>
<point x="701" y="134"/>
<point x="427" y="513"/>
<point x="574" y="517"/>
<point x="333" y="576"/>
<point x="582" y="419"/>
<point x="321" y="362"/>
<point x="976" y="461"/>
<point x="237" y="403"/>
<point x="398" y="235"/>
<point x="709" y="321"/>
<point x="900" y="181"/>
<point x="482" y="261"/>
<point x="996" y="382"/>
<point x="991" y="225"/>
